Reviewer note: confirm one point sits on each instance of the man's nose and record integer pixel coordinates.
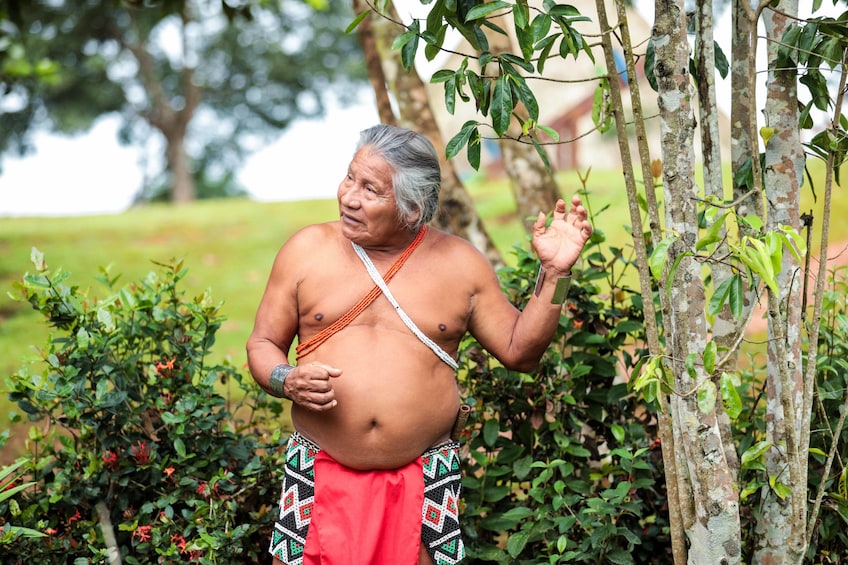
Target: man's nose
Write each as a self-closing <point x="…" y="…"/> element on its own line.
<point x="350" y="197"/>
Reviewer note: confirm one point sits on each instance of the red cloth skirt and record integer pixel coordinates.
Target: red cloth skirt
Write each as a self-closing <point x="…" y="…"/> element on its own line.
<point x="365" y="517"/>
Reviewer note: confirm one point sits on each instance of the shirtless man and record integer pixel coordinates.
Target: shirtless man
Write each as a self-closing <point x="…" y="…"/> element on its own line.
<point x="370" y="399"/>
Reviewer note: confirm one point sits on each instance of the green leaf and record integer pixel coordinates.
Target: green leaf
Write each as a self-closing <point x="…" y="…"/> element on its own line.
<point x="516" y="543"/>
<point x="502" y="105"/>
<point x="459" y="141"/>
<point x="755" y="452"/>
<point x="713" y="233"/>
<point x="707" y="397"/>
<point x="483" y="10"/>
<point x="491" y="430"/>
<point x="660" y="256"/>
<point x="474" y="147"/>
<point x="357" y="20"/>
<point x="617" y="432"/>
<point x="736" y="296"/>
<point x="730" y="398"/>
<point x="180" y="448"/>
<point x="710" y="357"/>
<point x="543" y="155"/>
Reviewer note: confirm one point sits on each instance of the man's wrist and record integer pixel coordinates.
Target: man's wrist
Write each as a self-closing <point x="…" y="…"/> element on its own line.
<point x="278" y="379"/>
<point x="560" y="290"/>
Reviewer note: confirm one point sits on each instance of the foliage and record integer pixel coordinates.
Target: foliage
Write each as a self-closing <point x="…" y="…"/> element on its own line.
<point x="545" y="32"/>
<point x="8" y="488"/>
<point x="135" y="449"/>
<point x="563" y="465"/>
<point x="830" y="537"/>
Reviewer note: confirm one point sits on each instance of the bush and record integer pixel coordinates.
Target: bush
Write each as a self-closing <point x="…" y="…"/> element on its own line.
<point x="135" y="448"/>
<point x="564" y="464"/>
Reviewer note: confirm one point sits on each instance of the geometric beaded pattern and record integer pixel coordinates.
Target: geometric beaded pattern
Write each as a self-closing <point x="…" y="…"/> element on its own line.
<point x="440" y="531"/>
<point x="296" y="501"/>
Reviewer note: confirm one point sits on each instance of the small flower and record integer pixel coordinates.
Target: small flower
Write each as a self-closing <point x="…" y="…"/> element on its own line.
<point x="74" y="518"/>
<point x="142" y="533"/>
<point x="180" y="542"/>
<point x="165" y="367"/>
<point x="169" y="471"/>
<point x="51" y="531"/>
<point x="110" y="460"/>
<point x="140" y="452"/>
<point x="201" y="488"/>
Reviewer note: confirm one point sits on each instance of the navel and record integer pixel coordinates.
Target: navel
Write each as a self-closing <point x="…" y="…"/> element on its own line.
<point x="319" y="316"/>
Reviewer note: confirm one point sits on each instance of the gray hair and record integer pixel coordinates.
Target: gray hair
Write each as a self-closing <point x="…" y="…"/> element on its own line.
<point x="417" y="177"/>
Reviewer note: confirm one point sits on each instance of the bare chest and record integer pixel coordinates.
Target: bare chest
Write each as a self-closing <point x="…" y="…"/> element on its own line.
<point x="438" y="307"/>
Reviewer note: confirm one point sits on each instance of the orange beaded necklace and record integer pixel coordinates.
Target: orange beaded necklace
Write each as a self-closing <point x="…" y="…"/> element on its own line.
<point x="312" y="343"/>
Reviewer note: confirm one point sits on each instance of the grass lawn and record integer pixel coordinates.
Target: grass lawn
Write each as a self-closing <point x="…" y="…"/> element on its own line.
<point x="229" y="246"/>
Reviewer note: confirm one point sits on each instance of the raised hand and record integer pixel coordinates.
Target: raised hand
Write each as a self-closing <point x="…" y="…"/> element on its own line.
<point x="558" y="245"/>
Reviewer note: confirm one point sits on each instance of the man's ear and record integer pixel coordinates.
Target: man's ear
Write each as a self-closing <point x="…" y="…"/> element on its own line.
<point x="412" y="218"/>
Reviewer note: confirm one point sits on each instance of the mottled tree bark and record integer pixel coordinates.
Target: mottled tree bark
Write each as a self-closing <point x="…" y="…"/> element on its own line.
<point x="715" y="534"/>
<point x="782" y="524"/>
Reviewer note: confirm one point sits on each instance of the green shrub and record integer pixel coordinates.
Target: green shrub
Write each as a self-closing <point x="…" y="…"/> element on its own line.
<point x="139" y="446"/>
<point x="563" y="464"/>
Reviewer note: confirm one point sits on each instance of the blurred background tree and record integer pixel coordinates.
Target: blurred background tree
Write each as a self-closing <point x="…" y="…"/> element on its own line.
<point x="215" y="80"/>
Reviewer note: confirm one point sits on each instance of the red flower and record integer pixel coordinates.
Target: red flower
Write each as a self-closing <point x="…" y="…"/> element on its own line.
<point x="74" y="518"/>
<point x="51" y="531"/>
<point x="180" y="542"/>
<point x="110" y="460"/>
<point x="165" y="367"/>
<point x="201" y="488"/>
<point x="140" y="452"/>
<point x="169" y="471"/>
<point x="142" y="533"/>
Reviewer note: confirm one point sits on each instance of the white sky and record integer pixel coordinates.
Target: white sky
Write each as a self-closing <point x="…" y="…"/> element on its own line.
<point x="94" y="174"/>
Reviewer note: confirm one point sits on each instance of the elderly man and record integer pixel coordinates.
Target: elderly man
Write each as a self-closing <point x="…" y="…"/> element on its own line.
<point x="379" y="303"/>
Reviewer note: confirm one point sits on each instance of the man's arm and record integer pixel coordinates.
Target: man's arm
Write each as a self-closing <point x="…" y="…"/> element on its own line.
<point x="518" y="339"/>
<point x="276" y="325"/>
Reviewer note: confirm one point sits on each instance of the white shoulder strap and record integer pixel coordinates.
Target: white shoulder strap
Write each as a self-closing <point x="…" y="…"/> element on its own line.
<point x="378" y="280"/>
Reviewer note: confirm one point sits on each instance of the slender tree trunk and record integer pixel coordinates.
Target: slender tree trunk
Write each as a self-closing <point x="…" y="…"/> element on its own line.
<point x="781" y="526"/>
<point x="666" y="433"/>
<point x="743" y="143"/>
<point x="456" y="212"/>
<point x="726" y="330"/>
<point x="715" y="535"/>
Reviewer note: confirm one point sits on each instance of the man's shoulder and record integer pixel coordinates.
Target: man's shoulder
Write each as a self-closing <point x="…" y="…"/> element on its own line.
<point x="457" y="246"/>
<point x="314" y="234"/>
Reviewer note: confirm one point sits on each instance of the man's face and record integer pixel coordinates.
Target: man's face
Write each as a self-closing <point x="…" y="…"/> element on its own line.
<point x="367" y="207"/>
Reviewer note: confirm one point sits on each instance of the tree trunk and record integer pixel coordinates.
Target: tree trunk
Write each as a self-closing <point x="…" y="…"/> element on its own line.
<point x="715" y="536"/>
<point x="743" y="143"/>
<point x="726" y="331"/>
<point x="780" y="529"/>
<point x="172" y="123"/>
<point x="456" y="213"/>
<point x="373" y="65"/>
<point x="182" y="181"/>
<point x="664" y="420"/>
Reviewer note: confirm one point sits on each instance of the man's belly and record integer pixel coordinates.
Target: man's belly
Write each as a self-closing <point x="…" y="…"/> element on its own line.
<point x="394" y="400"/>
